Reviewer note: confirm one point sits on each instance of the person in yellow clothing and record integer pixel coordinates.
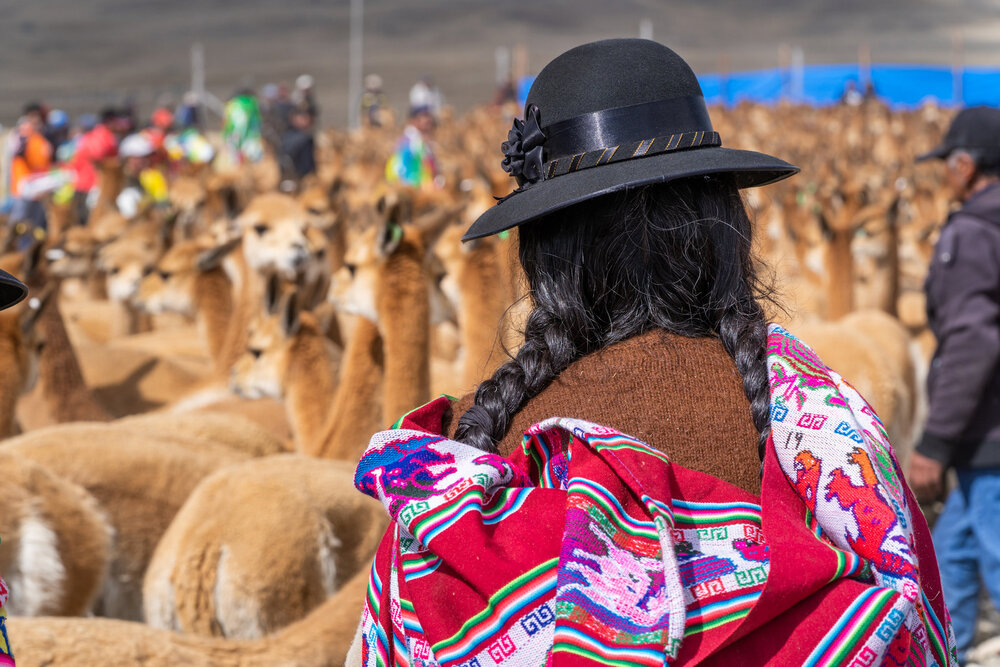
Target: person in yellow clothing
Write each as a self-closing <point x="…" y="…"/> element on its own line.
<point x="146" y="185"/>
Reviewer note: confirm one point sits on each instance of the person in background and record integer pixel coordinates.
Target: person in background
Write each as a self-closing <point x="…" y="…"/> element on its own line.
<point x="412" y="162"/>
<point x="57" y="128"/>
<point x="298" y="147"/>
<point x="187" y="113"/>
<point x="124" y="122"/>
<point x="276" y="108"/>
<point x="145" y="184"/>
<point x="425" y="95"/>
<point x="95" y="144"/>
<point x="963" y="425"/>
<point x="284" y="105"/>
<point x="32" y="157"/>
<point x="270" y="128"/>
<point x="241" y="129"/>
<point x="304" y="95"/>
<point x="160" y="125"/>
<point x="189" y="147"/>
<point x="373" y="101"/>
<point x="851" y="97"/>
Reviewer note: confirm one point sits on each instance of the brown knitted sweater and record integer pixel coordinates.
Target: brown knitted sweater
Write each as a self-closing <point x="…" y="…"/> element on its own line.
<point x="682" y="396"/>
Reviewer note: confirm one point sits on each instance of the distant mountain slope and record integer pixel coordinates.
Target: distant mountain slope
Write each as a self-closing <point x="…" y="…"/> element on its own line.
<point x="79" y="54"/>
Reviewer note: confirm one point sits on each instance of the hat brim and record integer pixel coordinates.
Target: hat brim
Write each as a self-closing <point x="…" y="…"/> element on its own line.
<point x="938" y="153"/>
<point x="750" y="169"/>
<point x="12" y="290"/>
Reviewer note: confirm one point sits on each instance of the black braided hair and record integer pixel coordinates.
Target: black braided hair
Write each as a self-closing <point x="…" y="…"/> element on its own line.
<point x="673" y="256"/>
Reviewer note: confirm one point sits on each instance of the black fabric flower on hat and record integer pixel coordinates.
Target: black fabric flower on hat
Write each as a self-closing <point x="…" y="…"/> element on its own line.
<point x="523" y="148"/>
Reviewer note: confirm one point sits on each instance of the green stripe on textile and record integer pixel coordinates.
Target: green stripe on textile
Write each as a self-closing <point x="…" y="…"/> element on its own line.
<point x="841" y="565"/>
<point x="612" y="511"/>
<point x="575" y="649"/>
<point x="418" y="527"/>
<point x="695" y="628"/>
<point x="860" y="625"/>
<point x="599" y="446"/>
<point x="680" y="516"/>
<point x="495" y="600"/>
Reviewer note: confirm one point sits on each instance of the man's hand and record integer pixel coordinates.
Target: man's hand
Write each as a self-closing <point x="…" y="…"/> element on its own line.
<point x="926" y="477"/>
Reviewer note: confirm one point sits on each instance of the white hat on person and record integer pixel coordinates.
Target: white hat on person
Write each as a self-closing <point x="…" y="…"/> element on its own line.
<point x="136" y="145"/>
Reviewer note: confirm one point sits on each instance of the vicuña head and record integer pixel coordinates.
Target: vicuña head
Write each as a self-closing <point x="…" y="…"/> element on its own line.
<point x="274" y="235"/>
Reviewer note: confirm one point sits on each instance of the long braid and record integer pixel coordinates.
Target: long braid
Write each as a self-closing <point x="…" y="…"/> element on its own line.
<point x="546" y="352"/>
<point x="674" y="256"/>
<point x="743" y="332"/>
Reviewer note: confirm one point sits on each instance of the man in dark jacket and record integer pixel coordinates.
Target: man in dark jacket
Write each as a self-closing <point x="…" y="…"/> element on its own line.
<point x="963" y="425"/>
<point x="298" y="148"/>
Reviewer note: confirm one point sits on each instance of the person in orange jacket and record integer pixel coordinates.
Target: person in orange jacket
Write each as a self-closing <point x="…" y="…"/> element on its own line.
<point x="32" y="157"/>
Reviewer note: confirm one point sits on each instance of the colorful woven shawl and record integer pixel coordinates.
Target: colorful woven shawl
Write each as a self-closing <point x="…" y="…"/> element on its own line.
<point x="589" y="547"/>
<point x="6" y="655"/>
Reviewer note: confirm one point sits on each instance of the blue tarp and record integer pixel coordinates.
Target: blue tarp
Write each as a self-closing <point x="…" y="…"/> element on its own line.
<point x="900" y="86"/>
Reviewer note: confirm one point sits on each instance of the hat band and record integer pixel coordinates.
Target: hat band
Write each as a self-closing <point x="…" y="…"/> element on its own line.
<point x="625" y="125"/>
<point x="634" y="149"/>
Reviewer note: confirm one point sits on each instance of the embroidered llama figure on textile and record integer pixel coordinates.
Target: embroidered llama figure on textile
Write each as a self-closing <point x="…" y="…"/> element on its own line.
<point x="753" y="551"/>
<point x="875" y="517"/>
<point x="417" y="473"/>
<point x="807" y="474"/>
<point x="621" y="589"/>
<point x="696" y="567"/>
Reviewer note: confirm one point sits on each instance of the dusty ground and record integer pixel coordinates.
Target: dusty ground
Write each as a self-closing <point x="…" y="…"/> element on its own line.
<point x="80" y="54"/>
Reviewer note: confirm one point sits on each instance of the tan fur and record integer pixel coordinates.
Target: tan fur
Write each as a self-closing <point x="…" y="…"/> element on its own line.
<point x="188" y="195"/>
<point x="61" y="395"/>
<point x="477" y="283"/>
<point x="289" y="357"/>
<point x="219" y="571"/>
<point x="80" y="532"/>
<point x="319" y="640"/>
<point x="139" y="481"/>
<point x="178" y="284"/>
<point x="230" y="430"/>
<point x="388" y="278"/>
<point x="19" y="352"/>
<point x="356" y="411"/>
<point x="872" y="353"/>
<point x="110" y="179"/>
<point x="128" y="381"/>
<point x="266" y="413"/>
<point x="274" y="238"/>
<point x="892" y="341"/>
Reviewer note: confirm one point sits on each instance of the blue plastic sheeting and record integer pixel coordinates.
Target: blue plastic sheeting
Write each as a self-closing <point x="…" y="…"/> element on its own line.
<point x="900" y="86"/>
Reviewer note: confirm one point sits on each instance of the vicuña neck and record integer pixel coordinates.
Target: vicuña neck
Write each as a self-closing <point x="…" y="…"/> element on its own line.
<point x="310" y="381"/>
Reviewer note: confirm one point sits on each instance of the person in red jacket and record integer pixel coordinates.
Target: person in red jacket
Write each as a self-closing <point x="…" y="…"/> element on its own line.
<point x="95" y="144"/>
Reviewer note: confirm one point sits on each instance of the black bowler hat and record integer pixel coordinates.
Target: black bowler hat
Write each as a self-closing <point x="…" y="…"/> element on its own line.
<point x="12" y="290"/>
<point x="977" y="128"/>
<point x="610" y="115"/>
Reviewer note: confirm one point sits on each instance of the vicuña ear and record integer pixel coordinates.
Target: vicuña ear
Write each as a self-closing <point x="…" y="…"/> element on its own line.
<point x="272" y="294"/>
<point x="211" y="259"/>
<point x="33" y="260"/>
<point x="333" y="192"/>
<point x="390" y="237"/>
<point x="291" y="321"/>
<point x="431" y="225"/>
<point x="35" y="307"/>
